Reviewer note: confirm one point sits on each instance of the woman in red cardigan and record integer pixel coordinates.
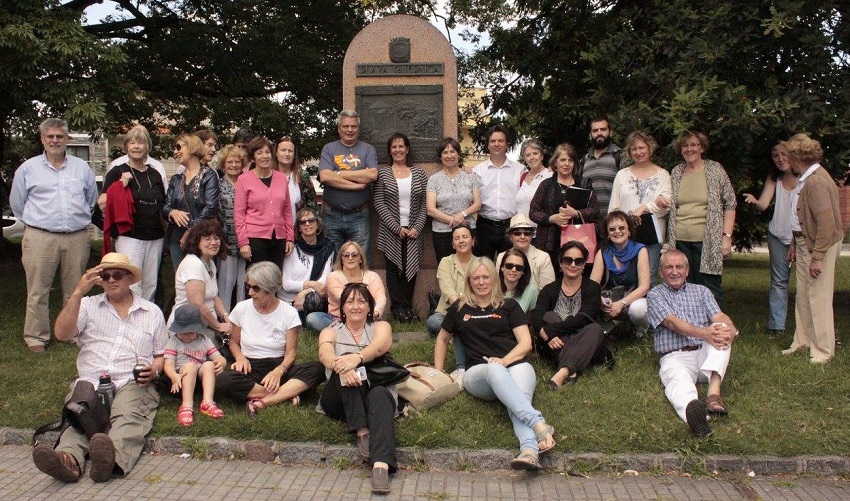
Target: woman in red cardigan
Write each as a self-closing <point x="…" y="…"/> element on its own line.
<point x="262" y="210"/>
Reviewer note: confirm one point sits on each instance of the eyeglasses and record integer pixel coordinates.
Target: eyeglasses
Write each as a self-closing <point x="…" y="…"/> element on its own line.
<point x="254" y="288"/>
<point x="512" y="266"/>
<point x="54" y="137"/>
<point x="305" y="222"/>
<point x="524" y="233"/>
<point x="116" y="275"/>
<point x="350" y="254"/>
<point x="211" y="238"/>
<point x="569" y="261"/>
<point x="616" y="228"/>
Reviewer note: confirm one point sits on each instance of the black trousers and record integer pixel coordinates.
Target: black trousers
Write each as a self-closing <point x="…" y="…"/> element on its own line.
<point x="490" y="238"/>
<point x="399" y="288"/>
<point x="360" y="406"/>
<point x="581" y="349"/>
<point x="267" y="249"/>
<point x="236" y="385"/>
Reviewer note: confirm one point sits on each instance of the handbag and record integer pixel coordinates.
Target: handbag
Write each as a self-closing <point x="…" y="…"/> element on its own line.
<point x="427" y="386"/>
<point x="385" y="371"/>
<point x="584" y="233"/>
<point x="83" y="410"/>
<point x="314" y="302"/>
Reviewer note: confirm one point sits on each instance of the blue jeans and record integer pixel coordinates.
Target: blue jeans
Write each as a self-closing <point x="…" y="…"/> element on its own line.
<point x="318" y="320"/>
<point x="433" y="324"/>
<point x="514" y="388"/>
<point x="341" y="227"/>
<point x="779" y="275"/>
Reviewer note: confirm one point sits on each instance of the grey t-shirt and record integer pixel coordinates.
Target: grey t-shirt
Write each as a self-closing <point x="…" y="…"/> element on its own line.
<point x="198" y="351"/>
<point x="338" y="157"/>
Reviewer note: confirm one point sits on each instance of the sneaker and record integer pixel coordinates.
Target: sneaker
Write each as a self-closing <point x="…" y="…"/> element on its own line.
<point x="457" y="375"/>
<point x="696" y="413"/>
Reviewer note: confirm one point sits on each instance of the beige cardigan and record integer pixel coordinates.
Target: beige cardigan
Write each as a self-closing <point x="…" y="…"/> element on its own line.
<point x="818" y="212"/>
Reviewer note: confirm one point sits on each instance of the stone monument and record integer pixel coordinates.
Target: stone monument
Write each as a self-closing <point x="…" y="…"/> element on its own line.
<point x="400" y="74"/>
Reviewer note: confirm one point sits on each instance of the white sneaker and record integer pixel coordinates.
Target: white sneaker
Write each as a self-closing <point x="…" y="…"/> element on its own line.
<point x="457" y="375"/>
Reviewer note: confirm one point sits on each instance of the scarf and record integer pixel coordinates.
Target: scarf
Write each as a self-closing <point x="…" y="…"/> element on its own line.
<point x="624" y="256"/>
<point x="321" y="251"/>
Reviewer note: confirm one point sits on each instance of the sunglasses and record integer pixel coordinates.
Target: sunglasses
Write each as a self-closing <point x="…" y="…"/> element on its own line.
<point x="612" y="229"/>
<point x="305" y="222"/>
<point x="350" y="254"/>
<point x="523" y="233"/>
<point x="254" y="288"/>
<point x="569" y="261"/>
<point x="512" y="266"/>
<point x="116" y="275"/>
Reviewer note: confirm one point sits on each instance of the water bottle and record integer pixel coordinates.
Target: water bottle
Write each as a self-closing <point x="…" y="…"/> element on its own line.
<point x="106" y="391"/>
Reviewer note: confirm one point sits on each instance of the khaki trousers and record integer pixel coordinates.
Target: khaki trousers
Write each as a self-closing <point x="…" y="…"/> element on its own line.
<point x="813" y="311"/>
<point x="43" y="253"/>
<point x="132" y="415"/>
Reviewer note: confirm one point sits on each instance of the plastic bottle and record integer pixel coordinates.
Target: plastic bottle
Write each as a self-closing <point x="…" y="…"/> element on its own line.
<point x="106" y="391"/>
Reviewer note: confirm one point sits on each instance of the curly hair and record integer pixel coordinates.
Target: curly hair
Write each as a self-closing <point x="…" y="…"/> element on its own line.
<point x="804" y="149"/>
<point x="205" y="228"/>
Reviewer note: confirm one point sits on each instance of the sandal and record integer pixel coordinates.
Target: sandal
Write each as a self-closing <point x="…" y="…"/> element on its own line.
<point x="715" y="404"/>
<point x="212" y="410"/>
<point x="253" y="406"/>
<point x="185" y="416"/>
<point x="552" y="385"/>
<point x="526" y="460"/>
<point x="544" y="436"/>
<point x="295" y="401"/>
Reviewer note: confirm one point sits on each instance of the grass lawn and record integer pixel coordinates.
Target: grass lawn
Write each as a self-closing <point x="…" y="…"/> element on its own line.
<point x="778" y="405"/>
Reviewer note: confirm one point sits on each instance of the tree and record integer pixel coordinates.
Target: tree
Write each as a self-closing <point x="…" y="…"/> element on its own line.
<point x="747" y="73"/>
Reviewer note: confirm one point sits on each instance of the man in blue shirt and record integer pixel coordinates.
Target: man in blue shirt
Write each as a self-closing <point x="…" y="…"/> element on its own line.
<point x="53" y="194"/>
<point x="347" y="169"/>
<point x="694" y="339"/>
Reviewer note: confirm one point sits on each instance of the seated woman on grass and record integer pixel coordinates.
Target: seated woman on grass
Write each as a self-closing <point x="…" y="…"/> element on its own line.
<point x="264" y="341"/>
<point x="623" y="263"/>
<point x="495" y="333"/>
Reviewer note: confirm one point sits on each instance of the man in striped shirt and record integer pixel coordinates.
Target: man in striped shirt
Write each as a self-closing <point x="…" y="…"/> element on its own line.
<point x="115" y="331"/>
<point x="694" y="339"/>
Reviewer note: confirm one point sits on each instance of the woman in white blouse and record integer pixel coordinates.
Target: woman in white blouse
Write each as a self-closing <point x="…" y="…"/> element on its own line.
<point x="637" y="191"/>
<point x="306" y="269"/>
<point x="532" y="152"/>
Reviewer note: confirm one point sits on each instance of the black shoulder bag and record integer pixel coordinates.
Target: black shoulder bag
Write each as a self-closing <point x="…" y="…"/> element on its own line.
<point x="83" y="410"/>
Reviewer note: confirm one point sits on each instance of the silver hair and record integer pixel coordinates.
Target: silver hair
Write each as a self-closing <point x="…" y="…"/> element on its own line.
<point x="533" y="143"/>
<point x="347" y="114"/>
<point x="53" y="123"/>
<point x="267" y="275"/>
<point x="139" y="133"/>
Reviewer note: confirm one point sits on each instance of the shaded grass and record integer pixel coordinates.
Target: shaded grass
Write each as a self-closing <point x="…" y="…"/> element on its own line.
<point x="779" y="405"/>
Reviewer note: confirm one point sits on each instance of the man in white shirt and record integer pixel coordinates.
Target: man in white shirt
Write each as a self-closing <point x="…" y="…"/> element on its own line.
<point x="499" y="178"/>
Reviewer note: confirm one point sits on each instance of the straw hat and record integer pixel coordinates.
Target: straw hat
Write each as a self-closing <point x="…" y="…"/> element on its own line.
<point x="122" y="262"/>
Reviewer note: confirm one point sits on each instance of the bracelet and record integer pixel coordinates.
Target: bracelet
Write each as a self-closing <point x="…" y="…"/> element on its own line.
<point x="727" y="235"/>
<point x="463" y="213"/>
<point x="362" y="361"/>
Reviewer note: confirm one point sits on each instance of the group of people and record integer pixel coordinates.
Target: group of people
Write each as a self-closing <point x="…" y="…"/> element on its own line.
<point x="255" y="259"/>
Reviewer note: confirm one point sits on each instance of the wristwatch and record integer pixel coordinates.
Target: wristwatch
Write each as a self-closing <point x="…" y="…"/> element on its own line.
<point x="727" y="235"/>
<point x="625" y="303"/>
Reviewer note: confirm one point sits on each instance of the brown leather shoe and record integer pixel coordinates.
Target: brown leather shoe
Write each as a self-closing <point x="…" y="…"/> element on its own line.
<point x="58" y="464"/>
<point x="102" y="454"/>
<point x="36" y="348"/>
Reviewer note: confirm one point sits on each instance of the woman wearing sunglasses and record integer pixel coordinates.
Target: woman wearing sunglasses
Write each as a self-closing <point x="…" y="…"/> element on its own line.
<point x="521" y="233"/>
<point x="564" y="318"/>
<point x="622" y="262"/>
<point x="515" y="278"/>
<point x="306" y="269"/>
<point x="264" y="344"/>
<point x="350" y="266"/>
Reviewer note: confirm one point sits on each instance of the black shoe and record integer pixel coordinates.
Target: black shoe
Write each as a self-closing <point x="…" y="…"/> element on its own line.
<point x="696" y="413"/>
<point x="776" y="332"/>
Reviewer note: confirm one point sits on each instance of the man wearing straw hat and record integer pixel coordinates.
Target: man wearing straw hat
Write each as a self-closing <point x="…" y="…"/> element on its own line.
<point x="115" y="331"/>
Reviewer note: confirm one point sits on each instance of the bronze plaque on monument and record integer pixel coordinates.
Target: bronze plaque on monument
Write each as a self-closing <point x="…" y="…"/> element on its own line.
<point x="416" y="110"/>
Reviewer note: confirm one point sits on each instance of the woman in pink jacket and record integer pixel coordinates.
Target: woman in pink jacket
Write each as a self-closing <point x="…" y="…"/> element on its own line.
<point x="262" y="210"/>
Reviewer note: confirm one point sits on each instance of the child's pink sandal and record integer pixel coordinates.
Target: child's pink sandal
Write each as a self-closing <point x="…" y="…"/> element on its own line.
<point x="212" y="410"/>
<point x="186" y="416"/>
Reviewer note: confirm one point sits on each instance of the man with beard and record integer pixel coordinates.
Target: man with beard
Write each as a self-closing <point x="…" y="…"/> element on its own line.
<point x="601" y="163"/>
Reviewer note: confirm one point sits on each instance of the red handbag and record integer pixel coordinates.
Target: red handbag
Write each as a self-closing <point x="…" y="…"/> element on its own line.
<point x="584" y="233"/>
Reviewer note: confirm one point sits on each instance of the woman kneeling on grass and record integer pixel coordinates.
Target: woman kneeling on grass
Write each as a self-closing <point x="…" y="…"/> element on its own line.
<point x="495" y="333"/>
<point x="264" y="341"/>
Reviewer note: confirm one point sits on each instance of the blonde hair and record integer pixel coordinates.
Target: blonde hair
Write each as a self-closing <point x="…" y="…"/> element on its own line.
<point x="139" y="133"/>
<point x="640" y="135"/>
<point x="231" y="150"/>
<point x="496" y="297"/>
<point x="350" y="243"/>
<point x="804" y="149"/>
<point x="195" y="145"/>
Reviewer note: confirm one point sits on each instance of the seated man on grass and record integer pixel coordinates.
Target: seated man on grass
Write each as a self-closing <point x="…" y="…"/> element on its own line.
<point x="114" y="330"/>
<point x="694" y="339"/>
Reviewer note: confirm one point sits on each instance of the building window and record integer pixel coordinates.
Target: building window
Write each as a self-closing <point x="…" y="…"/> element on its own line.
<point x="81" y="152"/>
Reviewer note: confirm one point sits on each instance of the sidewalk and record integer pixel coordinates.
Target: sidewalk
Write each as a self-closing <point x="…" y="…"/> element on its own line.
<point x="170" y="478"/>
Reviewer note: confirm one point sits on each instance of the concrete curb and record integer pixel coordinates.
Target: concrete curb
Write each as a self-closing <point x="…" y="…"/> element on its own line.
<point x="294" y="453"/>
